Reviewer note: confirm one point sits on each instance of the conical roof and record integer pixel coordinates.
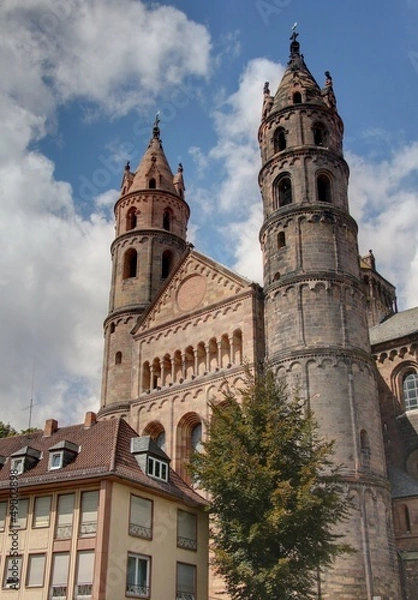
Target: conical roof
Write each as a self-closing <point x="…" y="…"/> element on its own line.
<point x="154" y="171"/>
<point x="297" y="79"/>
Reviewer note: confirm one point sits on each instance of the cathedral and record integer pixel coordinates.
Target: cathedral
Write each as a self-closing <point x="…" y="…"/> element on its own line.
<point x="181" y="327"/>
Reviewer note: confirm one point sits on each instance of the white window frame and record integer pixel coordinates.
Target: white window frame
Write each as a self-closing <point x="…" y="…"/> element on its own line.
<point x="138" y="589"/>
<point x="157" y="468"/>
<point x="18" y="465"/>
<point x="56" y="455"/>
<point x="64" y="524"/>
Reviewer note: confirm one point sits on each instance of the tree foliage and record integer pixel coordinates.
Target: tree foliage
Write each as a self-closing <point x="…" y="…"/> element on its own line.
<point x="6" y="430"/>
<point x="275" y="495"/>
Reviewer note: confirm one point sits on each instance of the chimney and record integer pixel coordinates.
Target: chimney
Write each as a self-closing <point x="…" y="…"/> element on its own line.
<point x="89" y="420"/>
<point x="51" y="426"/>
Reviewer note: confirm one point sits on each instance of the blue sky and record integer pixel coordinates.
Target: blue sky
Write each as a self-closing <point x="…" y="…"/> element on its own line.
<point x="81" y="81"/>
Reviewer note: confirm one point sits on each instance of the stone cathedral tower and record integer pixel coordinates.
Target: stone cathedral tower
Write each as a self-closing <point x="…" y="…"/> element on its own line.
<point x="151" y="222"/>
<point x="315" y="316"/>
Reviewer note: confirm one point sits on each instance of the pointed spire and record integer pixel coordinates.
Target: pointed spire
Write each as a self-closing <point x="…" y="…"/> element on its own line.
<point x="297" y="85"/>
<point x="153" y="171"/>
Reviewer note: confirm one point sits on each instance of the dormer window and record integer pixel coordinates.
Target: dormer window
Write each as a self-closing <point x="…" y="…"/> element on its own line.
<point x="61" y="454"/>
<point x="55" y="461"/>
<point x="24" y="459"/>
<point x="17" y="465"/>
<point x="157" y="468"/>
<point x="152" y="459"/>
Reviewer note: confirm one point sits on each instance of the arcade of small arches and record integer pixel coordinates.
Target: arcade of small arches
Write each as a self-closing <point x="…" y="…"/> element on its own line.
<point x="192" y="362"/>
<point x="283" y="194"/>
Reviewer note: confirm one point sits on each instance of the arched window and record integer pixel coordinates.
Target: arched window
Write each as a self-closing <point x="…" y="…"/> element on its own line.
<point x="146" y="377"/>
<point x="166" y="262"/>
<point x="284" y="191"/>
<point x="196" y="438"/>
<point x="118" y="358"/>
<point x="281" y="240"/>
<point x="112" y="328"/>
<point x="297" y="98"/>
<point x="279" y="139"/>
<point x="323" y="188"/>
<point x="167" y="220"/>
<point x="410" y="391"/>
<point x="131" y="219"/>
<point x="130" y="264"/>
<point x="320" y="134"/>
<point x="152" y="184"/>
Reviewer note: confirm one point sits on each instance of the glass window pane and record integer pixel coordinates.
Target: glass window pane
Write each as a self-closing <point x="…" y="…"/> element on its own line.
<point x="12" y="572"/>
<point x="137" y="579"/>
<point x="41" y="511"/>
<point x="410" y="391"/>
<point x="36" y="570"/>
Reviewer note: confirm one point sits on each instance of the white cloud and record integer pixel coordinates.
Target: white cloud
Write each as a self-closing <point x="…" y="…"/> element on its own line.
<point x="54" y="264"/>
<point x="118" y="55"/>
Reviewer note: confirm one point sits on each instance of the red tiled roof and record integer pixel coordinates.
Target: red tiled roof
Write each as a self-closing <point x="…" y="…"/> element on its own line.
<point x="104" y="450"/>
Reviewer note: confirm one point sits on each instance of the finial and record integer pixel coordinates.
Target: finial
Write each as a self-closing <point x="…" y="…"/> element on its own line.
<point x="128" y="166"/>
<point x="328" y="80"/>
<point x="180" y="168"/>
<point x="294" y="46"/>
<point x="156" y="128"/>
<point x="266" y="89"/>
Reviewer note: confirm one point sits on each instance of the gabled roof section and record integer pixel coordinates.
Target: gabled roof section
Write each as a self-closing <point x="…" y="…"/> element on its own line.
<point x="403" y="485"/>
<point x="399" y="325"/>
<point x="197" y="283"/>
<point x="105" y="451"/>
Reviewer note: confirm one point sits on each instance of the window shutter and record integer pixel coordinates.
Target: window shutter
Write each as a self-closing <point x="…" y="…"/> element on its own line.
<point x="141" y="511"/>
<point x="65" y="509"/>
<point x="36" y="569"/>
<point x="3" y="508"/>
<point x="89" y="501"/>
<point x="41" y="513"/>
<point x="85" y="567"/>
<point x="60" y="569"/>
<point x="186" y="576"/>
<point x="186" y="525"/>
<point x="22" y="513"/>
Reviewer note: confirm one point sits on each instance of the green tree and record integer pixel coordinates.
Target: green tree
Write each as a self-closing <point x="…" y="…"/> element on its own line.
<point x="275" y="494"/>
<point x="6" y="430"/>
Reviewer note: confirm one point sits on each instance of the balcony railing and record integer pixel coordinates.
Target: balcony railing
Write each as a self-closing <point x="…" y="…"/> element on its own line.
<point x="63" y="532"/>
<point x="137" y="590"/>
<point x="185" y="596"/>
<point x="88" y="528"/>
<point x="140" y="531"/>
<point x="83" y="591"/>
<point x="187" y="543"/>
<point x="59" y="591"/>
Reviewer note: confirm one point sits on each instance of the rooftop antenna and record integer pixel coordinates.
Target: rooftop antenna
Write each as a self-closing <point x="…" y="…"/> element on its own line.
<point x="32" y="403"/>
